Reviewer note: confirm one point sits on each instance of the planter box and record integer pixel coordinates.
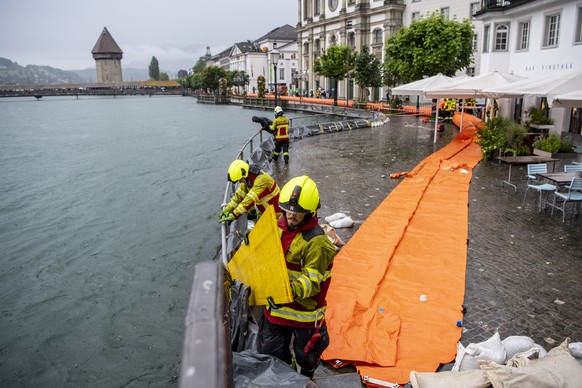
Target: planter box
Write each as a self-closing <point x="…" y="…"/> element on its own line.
<point x="560" y="155"/>
<point x="545" y="128"/>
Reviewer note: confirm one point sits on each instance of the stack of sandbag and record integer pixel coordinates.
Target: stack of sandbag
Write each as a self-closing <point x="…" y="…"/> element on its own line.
<point x="514" y="362"/>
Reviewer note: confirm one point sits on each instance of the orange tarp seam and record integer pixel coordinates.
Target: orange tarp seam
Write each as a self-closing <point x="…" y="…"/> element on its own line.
<point x="398" y="285"/>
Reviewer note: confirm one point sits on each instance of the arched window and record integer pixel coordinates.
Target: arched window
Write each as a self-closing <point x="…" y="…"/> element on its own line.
<point x="351" y="39"/>
<point x="333" y="40"/>
<point x="377" y="36"/>
<point x="501" y="35"/>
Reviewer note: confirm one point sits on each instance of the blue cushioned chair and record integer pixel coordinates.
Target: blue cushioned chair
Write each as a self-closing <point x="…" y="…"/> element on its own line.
<point x="534" y="184"/>
<point x="574" y="194"/>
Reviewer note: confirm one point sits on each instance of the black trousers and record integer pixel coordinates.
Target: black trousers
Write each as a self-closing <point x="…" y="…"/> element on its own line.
<point x="281" y="145"/>
<point x="276" y="341"/>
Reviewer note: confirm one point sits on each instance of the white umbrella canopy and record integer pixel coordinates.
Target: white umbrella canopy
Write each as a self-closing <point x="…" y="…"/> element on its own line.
<point x="547" y="86"/>
<point x="473" y="87"/>
<point x="417" y="88"/>
<point x="568" y="100"/>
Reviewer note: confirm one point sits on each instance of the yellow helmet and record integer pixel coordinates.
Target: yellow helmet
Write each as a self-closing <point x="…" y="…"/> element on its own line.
<point x="278" y="111"/>
<point x="300" y="195"/>
<point x="237" y="170"/>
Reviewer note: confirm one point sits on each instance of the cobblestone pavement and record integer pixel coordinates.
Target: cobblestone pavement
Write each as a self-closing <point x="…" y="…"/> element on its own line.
<point x="524" y="267"/>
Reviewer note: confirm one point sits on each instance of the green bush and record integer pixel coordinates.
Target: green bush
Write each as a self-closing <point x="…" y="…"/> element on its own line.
<point x="553" y="143"/>
<point x="502" y="134"/>
<point x="538" y="116"/>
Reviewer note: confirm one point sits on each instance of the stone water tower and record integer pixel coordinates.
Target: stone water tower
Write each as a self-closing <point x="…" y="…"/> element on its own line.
<point x="107" y="55"/>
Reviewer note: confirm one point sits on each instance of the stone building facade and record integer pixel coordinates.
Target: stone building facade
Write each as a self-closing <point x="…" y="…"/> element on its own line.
<point x="107" y="55"/>
<point x="323" y="23"/>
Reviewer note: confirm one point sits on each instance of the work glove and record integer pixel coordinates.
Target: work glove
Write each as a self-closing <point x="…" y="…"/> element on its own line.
<point x="223" y="214"/>
<point x="227" y="218"/>
<point x="272" y="304"/>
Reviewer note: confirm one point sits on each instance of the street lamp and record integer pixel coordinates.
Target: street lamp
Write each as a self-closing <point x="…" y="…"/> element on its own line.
<point x="348" y="27"/>
<point x="301" y="76"/>
<point x="275" y="59"/>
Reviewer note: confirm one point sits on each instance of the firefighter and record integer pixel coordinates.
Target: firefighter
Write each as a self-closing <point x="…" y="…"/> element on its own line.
<point x="256" y="192"/>
<point x="280" y="130"/>
<point x="309" y="258"/>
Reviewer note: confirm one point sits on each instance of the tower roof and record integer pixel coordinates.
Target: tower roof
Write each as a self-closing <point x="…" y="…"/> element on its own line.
<point x="106" y="44"/>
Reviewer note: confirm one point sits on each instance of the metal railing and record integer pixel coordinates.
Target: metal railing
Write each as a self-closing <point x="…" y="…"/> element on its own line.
<point x="249" y="146"/>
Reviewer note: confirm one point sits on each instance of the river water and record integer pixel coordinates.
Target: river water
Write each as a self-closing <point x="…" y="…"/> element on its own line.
<point x="106" y="205"/>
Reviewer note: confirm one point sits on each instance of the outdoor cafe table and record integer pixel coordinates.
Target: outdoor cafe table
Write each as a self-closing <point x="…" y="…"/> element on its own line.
<point x="511" y="160"/>
<point x="561" y="178"/>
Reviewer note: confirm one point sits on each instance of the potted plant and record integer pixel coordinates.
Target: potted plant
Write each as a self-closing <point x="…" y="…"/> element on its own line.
<point x="538" y="119"/>
<point x="553" y="146"/>
<point x="502" y="136"/>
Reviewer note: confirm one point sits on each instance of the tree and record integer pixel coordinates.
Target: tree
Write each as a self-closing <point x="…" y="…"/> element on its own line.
<point x="335" y="64"/>
<point x="164" y="76"/>
<point x="367" y="71"/>
<point x="199" y="66"/>
<point x="238" y="78"/>
<point x="182" y="73"/>
<point x="427" y="47"/>
<point x="154" y="69"/>
<point x="210" y="76"/>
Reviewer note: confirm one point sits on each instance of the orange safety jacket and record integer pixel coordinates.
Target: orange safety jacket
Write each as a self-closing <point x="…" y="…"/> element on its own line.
<point x="280" y="128"/>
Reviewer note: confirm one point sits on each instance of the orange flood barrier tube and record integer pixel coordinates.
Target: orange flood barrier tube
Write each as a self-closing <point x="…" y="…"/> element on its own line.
<point x="398" y="285"/>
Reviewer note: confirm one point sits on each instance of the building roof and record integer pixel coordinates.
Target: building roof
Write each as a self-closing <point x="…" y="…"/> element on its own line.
<point x="285" y="32"/>
<point x="247" y="47"/>
<point x="106" y="44"/>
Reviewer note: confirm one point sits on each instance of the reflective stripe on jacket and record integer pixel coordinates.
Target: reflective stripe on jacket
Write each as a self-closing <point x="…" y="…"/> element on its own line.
<point x="280" y="128"/>
<point x="262" y="193"/>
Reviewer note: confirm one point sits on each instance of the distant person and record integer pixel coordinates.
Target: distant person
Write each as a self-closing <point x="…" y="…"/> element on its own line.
<point x="309" y="258"/>
<point x="280" y="130"/>
<point x="256" y="192"/>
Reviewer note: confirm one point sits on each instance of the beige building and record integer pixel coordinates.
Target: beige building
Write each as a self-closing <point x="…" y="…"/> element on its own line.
<point x="107" y="55"/>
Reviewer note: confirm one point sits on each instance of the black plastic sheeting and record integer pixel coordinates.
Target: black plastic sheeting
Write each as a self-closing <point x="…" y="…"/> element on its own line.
<point x="252" y="369"/>
<point x="336" y="126"/>
<point x="317" y="129"/>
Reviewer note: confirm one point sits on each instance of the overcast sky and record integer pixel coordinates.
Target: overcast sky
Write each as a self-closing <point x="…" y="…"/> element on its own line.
<point x="62" y="33"/>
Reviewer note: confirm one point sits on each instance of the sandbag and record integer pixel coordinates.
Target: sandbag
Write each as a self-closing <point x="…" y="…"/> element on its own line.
<point x="515" y="344"/>
<point x="474" y="378"/>
<point x="576" y="349"/>
<point x="468" y="358"/>
<point x="559" y="369"/>
<point x="345" y="222"/>
<point x="335" y="217"/>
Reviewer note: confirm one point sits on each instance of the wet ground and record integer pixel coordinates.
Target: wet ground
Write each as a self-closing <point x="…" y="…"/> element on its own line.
<point x="524" y="267"/>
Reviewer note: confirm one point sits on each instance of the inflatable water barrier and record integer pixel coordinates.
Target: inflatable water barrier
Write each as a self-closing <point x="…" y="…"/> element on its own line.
<point x="398" y="285"/>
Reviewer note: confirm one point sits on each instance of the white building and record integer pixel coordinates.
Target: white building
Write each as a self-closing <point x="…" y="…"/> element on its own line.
<point x="532" y="38"/>
<point x="323" y="23"/>
<point x="256" y="58"/>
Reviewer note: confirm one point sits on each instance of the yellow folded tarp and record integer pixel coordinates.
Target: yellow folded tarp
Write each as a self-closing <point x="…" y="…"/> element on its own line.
<point x="261" y="264"/>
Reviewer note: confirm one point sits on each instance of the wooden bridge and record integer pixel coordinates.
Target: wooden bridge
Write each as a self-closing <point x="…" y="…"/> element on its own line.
<point x="134" y="88"/>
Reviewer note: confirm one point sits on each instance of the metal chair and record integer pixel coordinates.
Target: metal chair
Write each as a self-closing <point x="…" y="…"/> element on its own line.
<point x="534" y="184"/>
<point x="574" y="194"/>
<point x="572" y="167"/>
